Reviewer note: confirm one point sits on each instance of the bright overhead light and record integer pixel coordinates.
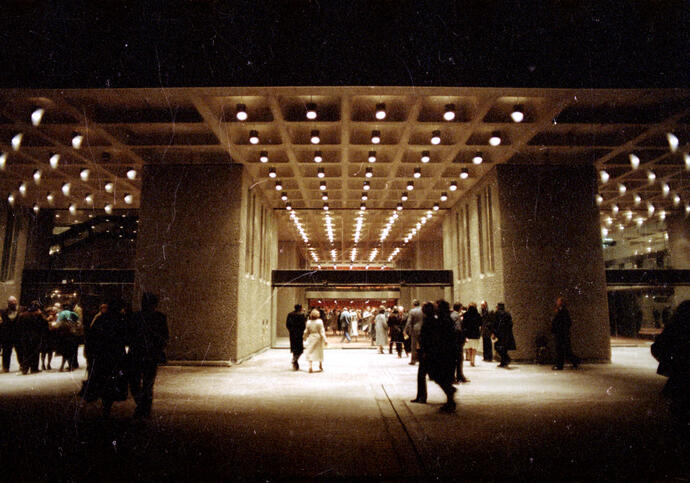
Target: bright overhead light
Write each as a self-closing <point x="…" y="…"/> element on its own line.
<point x="599" y="199"/>
<point x="453" y="185"/>
<point x="686" y="158"/>
<point x="36" y="208"/>
<point x="410" y="185"/>
<point x="672" y="141"/>
<point x="131" y="174"/>
<point x="129" y="199"/>
<point x="17" y="141"/>
<point x="380" y="111"/>
<point x="241" y="113"/>
<point x="37" y="176"/>
<point x="464" y="173"/>
<point x="637" y="199"/>
<point x="254" y="137"/>
<point x="676" y="200"/>
<point x="322" y="186"/>
<point x="54" y="160"/>
<point x="88" y="199"/>
<point x="22" y="189"/>
<point x="311" y="111"/>
<point x="495" y="138"/>
<point x="66" y="188"/>
<point x="324" y="196"/>
<point x="666" y="189"/>
<point x="109" y="187"/>
<point x="375" y="136"/>
<point x="365" y="196"/>
<point x="436" y="207"/>
<point x="436" y="137"/>
<point x="272" y="173"/>
<point x="368" y="172"/>
<point x="614" y="209"/>
<point x="50" y="197"/>
<point x="77" y="140"/>
<point x="604" y="176"/>
<point x="622" y="189"/>
<point x="288" y="206"/>
<point x="315" y="139"/>
<point x="366" y="186"/>
<point x="518" y="114"/>
<point x="651" y="176"/>
<point x="687" y="208"/>
<point x="399" y="207"/>
<point x="318" y="157"/>
<point x="444" y="196"/>
<point x="321" y="173"/>
<point x="662" y="215"/>
<point x="425" y="157"/>
<point x="72" y="209"/>
<point x="284" y="197"/>
<point x="3" y="161"/>
<point x="634" y="161"/>
<point x="279" y="186"/>
<point x="650" y="209"/>
<point x="325" y="207"/>
<point x="37" y="116"/>
<point x="263" y="156"/>
<point x="417" y="173"/>
<point x="372" y="157"/>
<point x="108" y="208"/>
<point x="478" y="158"/>
<point x="362" y="206"/>
<point x="84" y="174"/>
<point x="10" y="199"/>
<point x="449" y="113"/>
<point x="404" y="196"/>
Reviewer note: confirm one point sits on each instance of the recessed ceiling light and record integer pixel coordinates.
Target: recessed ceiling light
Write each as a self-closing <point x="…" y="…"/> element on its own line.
<point x="241" y="113"/>
<point x="436" y="137"/>
<point x="321" y="173"/>
<point x="17" y="141"/>
<point x="279" y="186"/>
<point x="37" y="116"/>
<point x="131" y="174"/>
<point x="284" y="196"/>
<point x="381" y="111"/>
<point x="518" y="114"/>
<point x="366" y="186"/>
<point x="372" y="156"/>
<point x="254" y="137"/>
<point x="362" y="206"/>
<point x="399" y="207"/>
<point x="368" y="172"/>
<point x="322" y="186"/>
<point x="365" y="196"/>
<point x="311" y="111"/>
<point x="324" y="196"/>
<point x="325" y="207"/>
<point x="404" y="196"/>
<point x="375" y="136"/>
<point x="318" y="157"/>
<point x="478" y="158"/>
<point x="453" y="185"/>
<point x="495" y="138"/>
<point x="410" y="185"/>
<point x="634" y="161"/>
<point x="444" y="196"/>
<point x="263" y="156"/>
<point x="84" y="174"/>
<point x="272" y="173"/>
<point x="449" y="113"/>
<point x="464" y="173"/>
<point x="315" y="138"/>
<point x="436" y="207"/>
<point x="425" y="157"/>
<point x="54" y="160"/>
<point x="288" y="206"/>
<point x="77" y="140"/>
<point x="417" y="173"/>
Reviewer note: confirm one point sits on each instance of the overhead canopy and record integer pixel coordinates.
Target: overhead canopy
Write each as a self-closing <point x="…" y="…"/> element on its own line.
<point x="361" y="278"/>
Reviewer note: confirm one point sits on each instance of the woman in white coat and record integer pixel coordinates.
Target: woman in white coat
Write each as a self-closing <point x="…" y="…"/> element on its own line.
<point x="381" y="330"/>
<point x="315" y="337"/>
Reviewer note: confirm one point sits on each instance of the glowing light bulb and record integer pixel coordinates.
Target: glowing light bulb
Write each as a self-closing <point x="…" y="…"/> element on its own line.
<point x="315" y="138"/>
<point x="634" y="161"/>
<point x="254" y="137"/>
<point x="444" y="197"/>
<point x="3" y="161"/>
<point x="453" y="185"/>
<point x="666" y="189"/>
<point x="372" y="157"/>
<point x="50" y="197"/>
<point x="66" y="188"/>
<point x="599" y="199"/>
<point x="417" y="173"/>
<point x="366" y="186"/>
<point x="77" y="140"/>
<point x="108" y="208"/>
<point x="10" y="199"/>
<point x="436" y="207"/>
<point x="36" y="208"/>
<point x="322" y="186"/>
<point x="375" y="136"/>
<point x="321" y="173"/>
<point x="404" y="196"/>
<point x="284" y="197"/>
<point x="676" y="200"/>
<point x="37" y="176"/>
<point x="109" y="187"/>
<point x="517" y="115"/>
<point x="318" y="157"/>
<point x="129" y="199"/>
<point x="637" y="199"/>
<point x="311" y="111"/>
<point x="72" y="209"/>
<point x="84" y="174"/>
<point x="131" y="174"/>
<point x="614" y="209"/>
<point x="425" y="157"/>
<point x="464" y="174"/>
<point x="88" y="199"/>
<point x="324" y="196"/>
<point x="380" y="111"/>
<point x="369" y="173"/>
<point x="54" y="161"/>
<point x="410" y="186"/>
<point x="622" y="189"/>
<point x="449" y="113"/>
<point x="686" y="158"/>
<point x="22" y="189"/>
<point x="672" y="141"/>
<point x="263" y="156"/>
<point x="279" y="186"/>
<point x="241" y="113"/>
<point x="478" y="158"/>
<point x="495" y="139"/>
<point x="37" y="116"/>
<point x="17" y="141"/>
<point x="436" y="137"/>
<point x="604" y="176"/>
<point x="365" y="197"/>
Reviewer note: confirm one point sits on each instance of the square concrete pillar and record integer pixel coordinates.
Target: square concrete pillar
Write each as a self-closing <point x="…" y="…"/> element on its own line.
<point x="678" y="229"/>
<point x="551" y="247"/>
<point x="189" y="251"/>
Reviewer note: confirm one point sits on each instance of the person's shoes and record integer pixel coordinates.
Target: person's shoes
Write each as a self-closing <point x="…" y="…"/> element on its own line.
<point x="448" y="407"/>
<point x="310" y="370"/>
<point x="502" y="366"/>
<point x="295" y="366"/>
<point x="320" y="367"/>
<point x="576" y="366"/>
<point x="399" y="356"/>
<point x="557" y="368"/>
<point x="456" y="381"/>
<point x="411" y="363"/>
<point x="417" y="400"/>
<point x="464" y="380"/>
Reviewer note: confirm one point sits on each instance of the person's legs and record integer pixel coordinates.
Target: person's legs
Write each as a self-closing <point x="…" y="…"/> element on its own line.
<point x="488" y="349"/>
<point x="560" y="353"/>
<point x="148" y="378"/>
<point x="398" y="348"/>
<point x="421" y="384"/>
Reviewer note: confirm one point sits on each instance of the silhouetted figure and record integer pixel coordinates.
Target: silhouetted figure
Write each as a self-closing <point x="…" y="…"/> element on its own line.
<point x="413" y="328"/>
<point x="487" y="329"/>
<point x="148" y="339"/>
<point x="67" y="333"/>
<point x="381" y="324"/>
<point x="295" y="323"/>
<point x="460" y="339"/>
<point x="438" y="350"/>
<point x="672" y="349"/>
<point x="560" y="327"/>
<point x="32" y="326"/>
<point x="8" y="333"/>
<point x="107" y="378"/>
<point x="503" y="333"/>
<point x="396" y="332"/>
<point x="471" y="327"/>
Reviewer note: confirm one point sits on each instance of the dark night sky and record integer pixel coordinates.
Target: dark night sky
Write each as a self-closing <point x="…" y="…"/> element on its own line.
<point x="473" y="43"/>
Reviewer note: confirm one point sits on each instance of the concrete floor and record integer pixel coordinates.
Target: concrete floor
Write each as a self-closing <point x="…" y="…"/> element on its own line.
<point x="261" y="419"/>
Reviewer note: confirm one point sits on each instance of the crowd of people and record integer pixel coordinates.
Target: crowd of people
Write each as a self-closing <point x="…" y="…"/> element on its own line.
<point x="430" y="334"/>
<point x="122" y="349"/>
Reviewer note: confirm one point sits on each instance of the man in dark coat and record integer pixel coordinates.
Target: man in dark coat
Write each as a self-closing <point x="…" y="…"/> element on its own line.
<point x="487" y="343"/>
<point x="8" y="333"/>
<point x="31" y="326"/>
<point x="503" y="334"/>
<point x="148" y="338"/>
<point x="296" y="323"/>
<point x="460" y="339"/>
<point x="560" y="327"/>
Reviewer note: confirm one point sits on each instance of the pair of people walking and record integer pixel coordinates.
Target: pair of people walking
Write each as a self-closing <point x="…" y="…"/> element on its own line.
<point x="312" y="331"/>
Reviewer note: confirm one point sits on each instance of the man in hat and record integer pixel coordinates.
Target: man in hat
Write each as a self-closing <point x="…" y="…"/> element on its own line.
<point x="296" y="323"/>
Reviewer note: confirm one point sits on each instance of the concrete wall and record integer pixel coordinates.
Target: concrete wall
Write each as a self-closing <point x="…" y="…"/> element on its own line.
<point x="13" y="285"/>
<point x="422" y="255"/>
<point x="551" y="244"/>
<point x="678" y="229"/>
<point x="289" y="258"/>
<point x="486" y="285"/>
<point x="191" y="252"/>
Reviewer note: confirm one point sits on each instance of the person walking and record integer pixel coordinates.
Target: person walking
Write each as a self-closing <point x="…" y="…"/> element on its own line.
<point x="296" y="323"/>
<point x="381" y="329"/>
<point x="148" y="337"/>
<point x="560" y="327"/>
<point x="428" y="316"/>
<point x="32" y="327"/>
<point x="471" y="327"/>
<point x="396" y="333"/>
<point x="345" y="325"/>
<point x="8" y="333"/>
<point x="413" y="328"/>
<point x="487" y="343"/>
<point x="315" y="335"/>
<point x="456" y="318"/>
<point x="503" y="334"/>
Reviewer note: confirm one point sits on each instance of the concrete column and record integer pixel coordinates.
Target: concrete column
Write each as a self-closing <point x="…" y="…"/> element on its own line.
<point x="289" y="258"/>
<point x="38" y="242"/>
<point x="191" y="252"/>
<point x="551" y="246"/>
<point x="678" y="229"/>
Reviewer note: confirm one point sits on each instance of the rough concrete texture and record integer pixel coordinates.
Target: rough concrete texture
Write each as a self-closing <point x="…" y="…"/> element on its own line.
<point x="679" y="250"/>
<point x="188" y="252"/>
<point x="12" y="286"/>
<point x="262" y="420"/>
<point x="551" y="243"/>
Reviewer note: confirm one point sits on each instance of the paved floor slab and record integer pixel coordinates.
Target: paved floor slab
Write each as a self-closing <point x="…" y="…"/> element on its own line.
<point x="261" y="419"/>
